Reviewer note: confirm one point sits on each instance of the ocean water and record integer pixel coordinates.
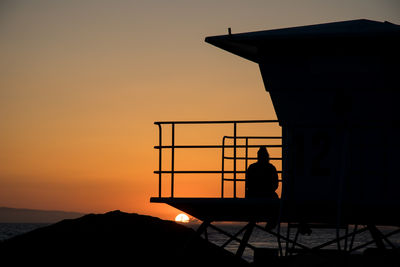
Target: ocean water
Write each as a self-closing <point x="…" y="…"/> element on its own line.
<point x="261" y="239"/>
<point x="8" y="230"/>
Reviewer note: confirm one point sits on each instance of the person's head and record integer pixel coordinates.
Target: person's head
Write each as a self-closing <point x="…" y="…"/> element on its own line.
<point x="262" y="154"/>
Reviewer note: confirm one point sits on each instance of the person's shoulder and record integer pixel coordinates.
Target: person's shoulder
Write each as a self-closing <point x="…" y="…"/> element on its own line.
<point x="254" y="166"/>
<point x="271" y="166"/>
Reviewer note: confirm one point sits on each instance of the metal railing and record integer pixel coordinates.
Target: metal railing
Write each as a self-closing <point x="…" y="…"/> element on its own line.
<point x="234" y="146"/>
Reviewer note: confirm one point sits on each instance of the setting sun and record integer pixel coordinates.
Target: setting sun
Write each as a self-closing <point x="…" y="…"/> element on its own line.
<point x="183" y="218"/>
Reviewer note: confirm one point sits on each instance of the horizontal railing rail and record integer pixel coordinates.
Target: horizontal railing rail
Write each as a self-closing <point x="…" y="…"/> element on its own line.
<point x="215" y="122"/>
<point x="205" y="172"/>
<point x="252" y="158"/>
<point x="160" y="147"/>
<point x="213" y="146"/>
<point x="255" y="137"/>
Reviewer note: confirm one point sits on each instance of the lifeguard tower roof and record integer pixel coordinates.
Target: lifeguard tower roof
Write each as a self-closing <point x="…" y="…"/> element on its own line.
<point x="247" y="45"/>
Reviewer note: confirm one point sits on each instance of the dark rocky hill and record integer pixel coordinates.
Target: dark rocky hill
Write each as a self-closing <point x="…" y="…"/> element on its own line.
<point x="114" y="239"/>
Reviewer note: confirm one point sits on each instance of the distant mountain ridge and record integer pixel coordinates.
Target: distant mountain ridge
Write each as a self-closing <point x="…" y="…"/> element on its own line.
<point x="14" y="215"/>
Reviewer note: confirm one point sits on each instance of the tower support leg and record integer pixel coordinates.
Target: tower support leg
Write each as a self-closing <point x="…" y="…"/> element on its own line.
<point x="377" y="236"/>
<point x="245" y="239"/>
<point x="203" y="228"/>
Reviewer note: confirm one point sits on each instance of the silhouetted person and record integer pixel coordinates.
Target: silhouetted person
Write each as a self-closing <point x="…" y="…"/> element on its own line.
<point x="261" y="177"/>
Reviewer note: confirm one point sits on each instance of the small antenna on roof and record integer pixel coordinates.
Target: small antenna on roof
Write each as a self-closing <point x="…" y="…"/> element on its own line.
<point x="229" y="31"/>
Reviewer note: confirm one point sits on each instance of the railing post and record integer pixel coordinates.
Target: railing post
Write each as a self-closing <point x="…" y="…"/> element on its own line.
<point x="234" y="158"/>
<point x="159" y="159"/>
<point x="223" y="167"/>
<point x="247" y="154"/>
<point x="172" y="158"/>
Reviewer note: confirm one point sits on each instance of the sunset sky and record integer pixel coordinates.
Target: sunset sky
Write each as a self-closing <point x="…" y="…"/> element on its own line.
<point x="81" y="83"/>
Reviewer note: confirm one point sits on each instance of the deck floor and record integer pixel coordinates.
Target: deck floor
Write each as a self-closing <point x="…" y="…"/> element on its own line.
<point x="263" y="209"/>
<point x="224" y="209"/>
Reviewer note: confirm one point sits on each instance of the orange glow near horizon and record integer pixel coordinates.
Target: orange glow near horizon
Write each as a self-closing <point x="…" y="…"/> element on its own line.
<point x="81" y="84"/>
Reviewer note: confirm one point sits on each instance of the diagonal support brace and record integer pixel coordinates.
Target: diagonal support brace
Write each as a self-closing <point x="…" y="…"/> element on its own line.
<point x="245" y="239"/>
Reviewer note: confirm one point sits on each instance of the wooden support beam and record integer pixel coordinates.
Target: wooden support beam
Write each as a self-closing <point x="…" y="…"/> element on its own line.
<point x="203" y="227"/>
<point x="245" y="239"/>
<point x="376" y="235"/>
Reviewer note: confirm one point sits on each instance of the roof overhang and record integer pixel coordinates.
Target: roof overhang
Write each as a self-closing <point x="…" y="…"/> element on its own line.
<point x="249" y="45"/>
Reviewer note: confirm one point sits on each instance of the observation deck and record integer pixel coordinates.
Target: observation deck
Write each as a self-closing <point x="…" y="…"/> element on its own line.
<point x="236" y="153"/>
<point x="231" y="205"/>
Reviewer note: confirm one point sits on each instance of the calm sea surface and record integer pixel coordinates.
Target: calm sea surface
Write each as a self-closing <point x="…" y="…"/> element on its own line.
<point x="259" y="238"/>
<point x="8" y="230"/>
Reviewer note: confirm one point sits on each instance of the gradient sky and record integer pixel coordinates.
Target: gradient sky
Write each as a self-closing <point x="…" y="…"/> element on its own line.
<point x="81" y="83"/>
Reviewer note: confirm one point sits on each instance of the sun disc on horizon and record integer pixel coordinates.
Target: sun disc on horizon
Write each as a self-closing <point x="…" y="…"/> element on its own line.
<point x="183" y="218"/>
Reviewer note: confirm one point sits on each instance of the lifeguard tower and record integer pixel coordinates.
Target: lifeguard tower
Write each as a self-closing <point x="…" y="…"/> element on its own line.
<point x="335" y="89"/>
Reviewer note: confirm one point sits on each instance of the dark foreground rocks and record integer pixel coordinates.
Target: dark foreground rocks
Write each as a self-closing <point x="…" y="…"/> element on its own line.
<point x="114" y="239"/>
